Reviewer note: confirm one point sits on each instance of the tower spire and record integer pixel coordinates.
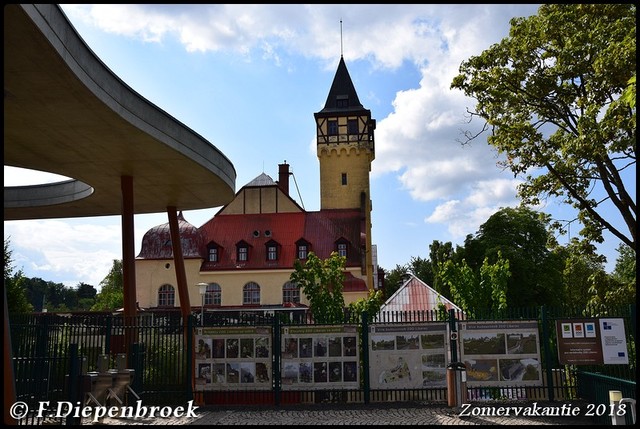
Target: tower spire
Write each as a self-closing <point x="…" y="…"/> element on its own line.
<point x="340" y="38"/>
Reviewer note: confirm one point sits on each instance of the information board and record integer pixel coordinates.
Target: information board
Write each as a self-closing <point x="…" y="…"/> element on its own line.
<point x="233" y="358"/>
<point x="501" y="353"/>
<point x="407" y="356"/>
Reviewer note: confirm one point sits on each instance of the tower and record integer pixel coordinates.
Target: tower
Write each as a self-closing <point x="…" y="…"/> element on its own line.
<point x="345" y="148"/>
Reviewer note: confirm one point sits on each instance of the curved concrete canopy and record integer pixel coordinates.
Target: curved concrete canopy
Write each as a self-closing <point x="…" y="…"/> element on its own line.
<point x="66" y="113"/>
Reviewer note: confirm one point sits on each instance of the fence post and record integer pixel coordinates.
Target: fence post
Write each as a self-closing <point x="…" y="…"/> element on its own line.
<point x="191" y="326"/>
<point x="364" y="341"/>
<point x="136" y="358"/>
<point x="276" y="360"/>
<point x="107" y="341"/>
<point x="547" y="351"/>
<point x="453" y="345"/>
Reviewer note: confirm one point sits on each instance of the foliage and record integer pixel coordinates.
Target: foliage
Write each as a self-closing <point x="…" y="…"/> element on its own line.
<point x="369" y="305"/>
<point x="521" y="236"/>
<point x="111" y="295"/>
<point x="394" y="279"/>
<point x="438" y="254"/>
<point x="422" y="269"/>
<point x="15" y="293"/>
<point x="556" y="95"/>
<point x="485" y="290"/>
<point x="619" y="288"/>
<point x="582" y="267"/>
<point x="321" y="281"/>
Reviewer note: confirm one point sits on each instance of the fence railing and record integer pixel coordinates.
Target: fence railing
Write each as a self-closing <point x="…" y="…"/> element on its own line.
<point x="159" y="345"/>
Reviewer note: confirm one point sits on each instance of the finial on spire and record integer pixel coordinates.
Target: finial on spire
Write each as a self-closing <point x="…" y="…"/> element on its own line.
<point x="340" y="38"/>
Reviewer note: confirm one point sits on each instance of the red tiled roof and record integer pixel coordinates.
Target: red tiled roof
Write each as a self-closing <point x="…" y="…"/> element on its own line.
<point x="320" y="229"/>
<point x="353" y="284"/>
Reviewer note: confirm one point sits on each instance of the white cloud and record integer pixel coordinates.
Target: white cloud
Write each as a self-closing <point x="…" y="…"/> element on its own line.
<point x="69" y="249"/>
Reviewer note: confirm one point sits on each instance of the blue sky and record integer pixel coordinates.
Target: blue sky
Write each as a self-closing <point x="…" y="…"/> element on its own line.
<point x="249" y="78"/>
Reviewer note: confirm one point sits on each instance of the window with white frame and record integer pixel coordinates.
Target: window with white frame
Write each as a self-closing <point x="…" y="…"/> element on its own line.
<point x="166" y="296"/>
<point x="213" y="254"/>
<point x="342" y="248"/>
<point x="213" y="296"/>
<point x="251" y="294"/>
<point x="243" y="253"/>
<point x="290" y="293"/>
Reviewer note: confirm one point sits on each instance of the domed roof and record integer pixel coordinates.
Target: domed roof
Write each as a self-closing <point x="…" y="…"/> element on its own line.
<point x="156" y="243"/>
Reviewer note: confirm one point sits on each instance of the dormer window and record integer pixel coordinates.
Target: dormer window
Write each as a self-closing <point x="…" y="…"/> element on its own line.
<point x="242" y="249"/>
<point x="302" y="247"/>
<point x="213" y="253"/>
<point x="341" y="247"/>
<point x="342" y="101"/>
<point x="272" y="250"/>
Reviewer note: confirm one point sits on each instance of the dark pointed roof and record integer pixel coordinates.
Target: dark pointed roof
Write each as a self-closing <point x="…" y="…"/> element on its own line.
<point x="342" y="88"/>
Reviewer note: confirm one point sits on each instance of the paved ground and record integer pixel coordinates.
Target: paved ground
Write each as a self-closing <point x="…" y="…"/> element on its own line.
<point x="378" y="414"/>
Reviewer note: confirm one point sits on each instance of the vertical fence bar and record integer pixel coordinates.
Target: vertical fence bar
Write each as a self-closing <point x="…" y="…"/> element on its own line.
<point x="73" y="381"/>
<point x="276" y="361"/>
<point x="453" y="344"/>
<point x="547" y="351"/>
<point x="364" y="341"/>
<point x="189" y="361"/>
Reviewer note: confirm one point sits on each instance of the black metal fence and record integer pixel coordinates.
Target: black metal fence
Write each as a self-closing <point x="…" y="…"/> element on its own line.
<point x="161" y="352"/>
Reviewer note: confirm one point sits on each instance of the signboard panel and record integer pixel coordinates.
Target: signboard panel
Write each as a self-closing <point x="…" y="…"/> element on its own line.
<point x="408" y="356"/>
<point x="501" y="353"/>
<point x="320" y="357"/>
<point x="592" y="341"/>
<point x="233" y="358"/>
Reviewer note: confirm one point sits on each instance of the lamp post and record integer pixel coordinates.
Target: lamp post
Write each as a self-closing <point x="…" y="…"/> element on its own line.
<point x="203" y="290"/>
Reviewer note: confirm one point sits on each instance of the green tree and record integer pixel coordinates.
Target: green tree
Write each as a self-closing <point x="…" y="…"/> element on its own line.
<point x="369" y="305"/>
<point x="581" y="267"/>
<point x="111" y="295"/>
<point x="86" y="296"/>
<point x="394" y="279"/>
<point x="555" y="95"/>
<point x="521" y="236"/>
<point x="439" y="253"/>
<point x="481" y="290"/>
<point x="15" y="292"/>
<point x="620" y="287"/>
<point x="322" y="281"/>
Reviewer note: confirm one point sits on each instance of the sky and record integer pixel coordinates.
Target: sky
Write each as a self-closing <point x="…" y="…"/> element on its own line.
<point x="248" y="78"/>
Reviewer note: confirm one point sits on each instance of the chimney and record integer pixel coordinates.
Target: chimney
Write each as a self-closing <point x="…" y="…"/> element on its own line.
<point x="283" y="177"/>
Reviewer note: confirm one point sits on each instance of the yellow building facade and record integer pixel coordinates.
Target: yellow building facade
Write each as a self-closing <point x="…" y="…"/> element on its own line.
<point x="243" y="257"/>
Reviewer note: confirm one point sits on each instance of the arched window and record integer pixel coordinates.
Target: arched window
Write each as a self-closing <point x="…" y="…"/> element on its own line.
<point x="290" y="293"/>
<point x="251" y="294"/>
<point x="213" y="295"/>
<point x="166" y="296"/>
